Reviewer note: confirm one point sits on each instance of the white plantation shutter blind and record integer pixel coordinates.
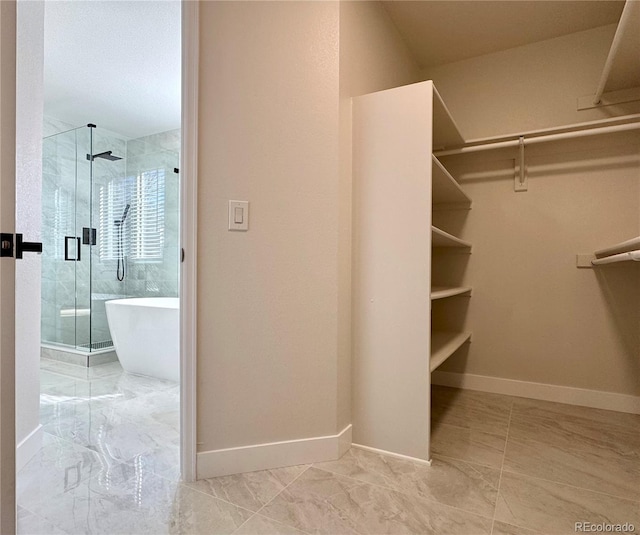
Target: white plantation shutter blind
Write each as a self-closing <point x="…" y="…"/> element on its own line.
<point x="113" y="199"/>
<point x="147" y="217"/>
<point x="143" y="233"/>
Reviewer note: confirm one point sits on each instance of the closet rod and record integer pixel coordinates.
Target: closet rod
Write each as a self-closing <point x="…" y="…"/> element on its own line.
<point x="621" y="257"/>
<point x="613" y="51"/>
<point x="542" y="139"/>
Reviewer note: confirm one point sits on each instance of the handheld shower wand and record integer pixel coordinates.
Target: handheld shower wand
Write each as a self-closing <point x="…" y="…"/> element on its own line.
<point x="120" y="271"/>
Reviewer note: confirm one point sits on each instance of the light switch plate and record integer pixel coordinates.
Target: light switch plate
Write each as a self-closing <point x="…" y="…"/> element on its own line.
<point x="239" y="215"/>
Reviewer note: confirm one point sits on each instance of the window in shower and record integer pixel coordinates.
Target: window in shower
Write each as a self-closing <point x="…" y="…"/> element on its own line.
<point x="144" y="230"/>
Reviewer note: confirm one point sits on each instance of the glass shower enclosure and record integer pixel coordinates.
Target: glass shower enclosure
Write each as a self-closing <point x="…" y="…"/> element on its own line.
<point x="109" y="230"/>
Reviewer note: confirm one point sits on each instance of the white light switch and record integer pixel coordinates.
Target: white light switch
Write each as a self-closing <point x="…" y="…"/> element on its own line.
<point x="238" y="215"/>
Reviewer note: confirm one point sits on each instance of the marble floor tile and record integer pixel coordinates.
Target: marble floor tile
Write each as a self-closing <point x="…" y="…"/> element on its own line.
<point x="195" y="513"/>
<point x="117" y="387"/>
<point x="50" y="380"/>
<point x="467" y="444"/>
<point x="80" y="372"/>
<point x="164" y="462"/>
<point x="155" y="408"/>
<point x="552" y="508"/>
<point x="126" y="438"/>
<point x="54" y="409"/>
<point x="523" y="406"/>
<point x="598" y="470"/>
<point x="460" y="484"/>
<point x="553" y="424"/>
<point x="500" y="528"/>
<point x="475" y="410"/>
<point x="323" y="502"/>
<point x="111" y="430"/>
<point x="250" y="490"/>
<point x="110" y="464"/>
<point x="29" y="523"/>
<point x="59" y="467"/>
<point x="132" y="501"/>
<point x="261" y="525"/>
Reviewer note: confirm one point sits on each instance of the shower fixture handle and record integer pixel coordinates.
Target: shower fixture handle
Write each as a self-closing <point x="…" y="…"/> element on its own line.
<point x="67" y="257"/>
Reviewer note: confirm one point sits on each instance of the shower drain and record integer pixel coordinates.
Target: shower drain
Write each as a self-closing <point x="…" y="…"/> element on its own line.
<point x="98" y="345"/>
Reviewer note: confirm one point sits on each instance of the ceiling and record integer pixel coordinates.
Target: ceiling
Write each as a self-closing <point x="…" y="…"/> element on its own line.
<point x="439" y="32"/>
<point x="117" y="63"/>
<point x="113" y="63"/>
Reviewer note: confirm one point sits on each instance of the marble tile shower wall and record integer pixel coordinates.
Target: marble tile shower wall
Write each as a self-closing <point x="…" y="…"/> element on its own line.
<point x="70" y="290"/>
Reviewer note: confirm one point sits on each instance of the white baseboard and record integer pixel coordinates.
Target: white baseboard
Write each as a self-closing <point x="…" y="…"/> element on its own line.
<point x="596" y="399"/>
<point x="272" y="455"/>
<point x="391" y="454"/>
<point x="28" y="447"/>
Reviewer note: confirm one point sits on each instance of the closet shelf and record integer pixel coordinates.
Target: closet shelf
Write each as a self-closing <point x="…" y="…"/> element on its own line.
<point x="620" y="257"/>
<point x="442" y="292"/>
<point x="623" y="247"/>
<point x="445" y="188"/>
<point x="445" y="130"/>
<point x="445" y="344"/>
<point x="440" y="238"/>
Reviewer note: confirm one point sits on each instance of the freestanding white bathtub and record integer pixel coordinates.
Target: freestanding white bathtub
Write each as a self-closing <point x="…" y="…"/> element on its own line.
<point x="146" y="335"/>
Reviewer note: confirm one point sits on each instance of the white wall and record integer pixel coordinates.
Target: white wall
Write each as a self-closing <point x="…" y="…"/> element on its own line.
<point x="29" y="117"/>
<point x="535" y="316"/>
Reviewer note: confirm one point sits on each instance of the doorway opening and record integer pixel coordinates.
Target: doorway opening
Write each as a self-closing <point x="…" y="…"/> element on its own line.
<point x="109" y="367"/>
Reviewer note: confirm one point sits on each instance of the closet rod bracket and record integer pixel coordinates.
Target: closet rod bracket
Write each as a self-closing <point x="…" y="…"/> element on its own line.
<point x="520" y="170"/>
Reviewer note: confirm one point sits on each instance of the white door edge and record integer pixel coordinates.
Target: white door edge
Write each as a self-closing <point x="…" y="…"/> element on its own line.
<point x="188" y="238"/>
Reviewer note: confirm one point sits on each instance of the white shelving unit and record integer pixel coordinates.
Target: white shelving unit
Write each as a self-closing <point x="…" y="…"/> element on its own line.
<point x="395" y="189"/>
<point x="446" y="191"/>
<point x="445" y="344"/>
<point x="442" y="292"/>
<point x="620" y="252"/>
<point x="440" y="238"/>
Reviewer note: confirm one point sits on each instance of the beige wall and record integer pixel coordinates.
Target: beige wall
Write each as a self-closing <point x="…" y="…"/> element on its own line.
<point x="274" y="303"/>
<point x="528" y="87"/>
<point x="534" y="316"/>
<point x="267" y="314"/>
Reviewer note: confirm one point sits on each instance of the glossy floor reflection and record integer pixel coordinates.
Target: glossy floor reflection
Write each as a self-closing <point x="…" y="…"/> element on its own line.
<point x="501" y="466"/>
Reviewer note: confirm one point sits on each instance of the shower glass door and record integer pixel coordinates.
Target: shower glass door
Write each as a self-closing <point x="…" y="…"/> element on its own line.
<point x="65" y="303"/>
